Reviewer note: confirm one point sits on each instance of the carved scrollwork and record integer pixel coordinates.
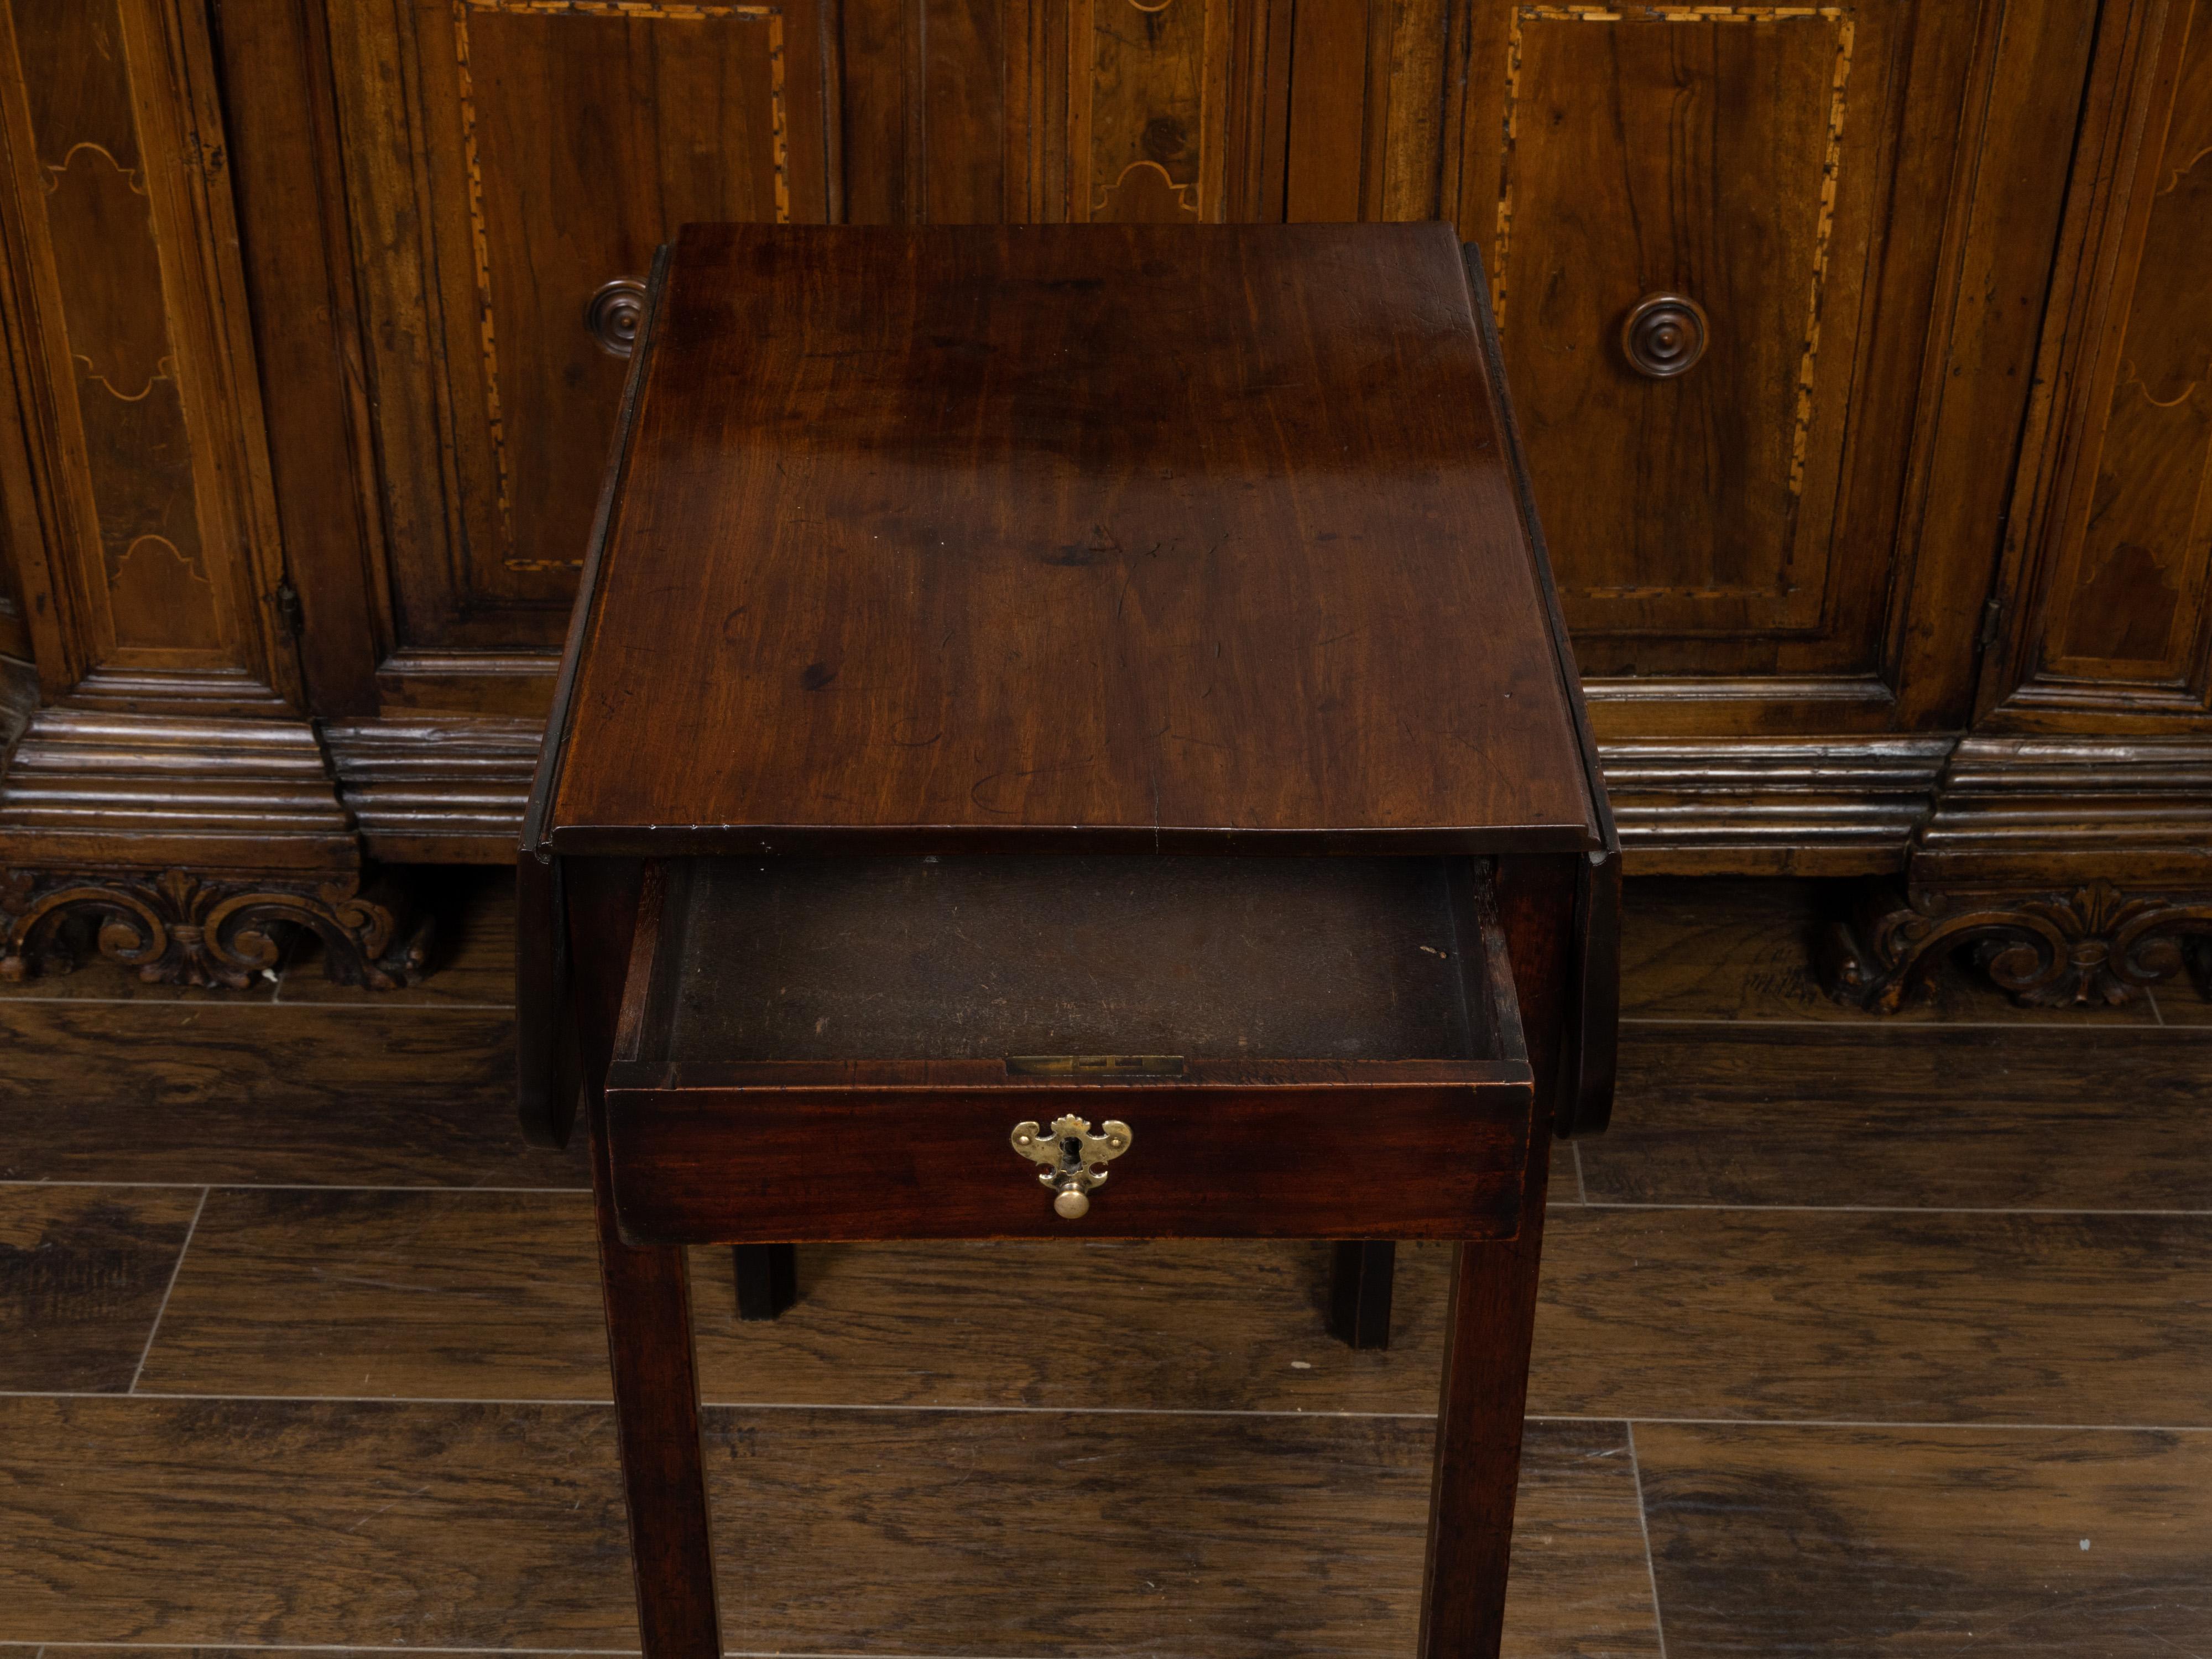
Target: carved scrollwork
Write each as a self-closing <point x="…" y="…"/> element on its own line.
<point x="2093" y="943"/>
<point x="179" y="928"/>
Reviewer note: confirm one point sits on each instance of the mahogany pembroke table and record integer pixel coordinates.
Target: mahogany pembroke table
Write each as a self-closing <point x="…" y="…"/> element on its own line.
<point x="1067" y="732"/>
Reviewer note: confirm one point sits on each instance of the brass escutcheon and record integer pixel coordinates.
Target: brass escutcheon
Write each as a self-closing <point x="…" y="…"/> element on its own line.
<point x="1074" y="1158"/>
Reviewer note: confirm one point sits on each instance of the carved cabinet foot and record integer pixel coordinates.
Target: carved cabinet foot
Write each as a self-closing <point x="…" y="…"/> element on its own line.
<point x="180" y="927"/>
<point x="2048" y="950"/>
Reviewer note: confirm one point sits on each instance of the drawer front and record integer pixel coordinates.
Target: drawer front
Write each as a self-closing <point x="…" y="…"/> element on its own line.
<point x="732" y="1165"/>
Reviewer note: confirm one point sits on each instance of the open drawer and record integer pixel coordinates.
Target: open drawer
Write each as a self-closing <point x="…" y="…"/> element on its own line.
<point x="1024" y="1046"/>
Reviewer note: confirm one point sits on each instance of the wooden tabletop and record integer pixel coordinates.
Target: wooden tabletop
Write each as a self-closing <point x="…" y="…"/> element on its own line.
<point x="1113" y="536"/>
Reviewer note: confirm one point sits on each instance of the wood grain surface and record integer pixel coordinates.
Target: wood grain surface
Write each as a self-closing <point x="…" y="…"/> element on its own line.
<point x="82" y="1273"/>
<point x="1748" y="1314"/>
<point x="1927" y="1541"/>
<point x="204" y="1089"/>
<point x="1813" y="1314"/>
<point x="488" y="1296"/>
<point x="460" y="1524"/>
<point x="2035" y="1117"/>
<point x="496" y="1296"/>
<point x="955" y="557"/>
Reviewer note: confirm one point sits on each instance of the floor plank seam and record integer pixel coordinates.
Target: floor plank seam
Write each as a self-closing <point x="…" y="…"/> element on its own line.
<point x="410" y="1006"/>
<point x="368" y="1647"/>
<point x="1644" y="1526"/>
<point x="371" y="1647"/>
<point x="2006" y="1426"/>
<point x="296" y="1187"/>
<point x="1915" y="1425"/>
<point x="1879" y="1209"/>
<point x="176" y="1268"/>
<point x="34" y="1651"/>
<point x="1903" y="1028"/>
<point x="413" y="1004"/>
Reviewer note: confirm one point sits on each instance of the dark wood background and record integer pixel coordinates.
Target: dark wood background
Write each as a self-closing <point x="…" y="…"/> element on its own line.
<point x="1908" y="577"/>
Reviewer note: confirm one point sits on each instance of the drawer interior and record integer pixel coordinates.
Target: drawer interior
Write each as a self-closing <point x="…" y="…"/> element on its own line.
<point x="1085" y="966"/>
<point x="842" y="1048"/>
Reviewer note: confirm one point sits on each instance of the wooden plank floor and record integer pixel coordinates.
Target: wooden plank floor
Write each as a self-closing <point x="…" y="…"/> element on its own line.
<point x="1857" y="1337"/>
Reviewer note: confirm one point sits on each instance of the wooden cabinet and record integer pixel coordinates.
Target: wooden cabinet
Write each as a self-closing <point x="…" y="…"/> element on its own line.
<point x="1925" y="509"/>
<point x="2071" y="841"/>
<point x="2109" y="578"/>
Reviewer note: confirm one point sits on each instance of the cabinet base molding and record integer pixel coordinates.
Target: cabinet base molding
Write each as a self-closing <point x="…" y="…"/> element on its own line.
<point x="436" y="789"/>
<point x="2089" y="944"/>
<point x="90" y="788"/>
<point x="184" y="927"/>
<point x="1845" y="805"/>
<point x="2020" y="811"/>
<point x="187" y="847"/>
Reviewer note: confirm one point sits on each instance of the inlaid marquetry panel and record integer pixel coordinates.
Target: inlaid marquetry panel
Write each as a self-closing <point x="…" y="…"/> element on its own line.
<point x="1147" y="110"/>
<point x="509" y="159"/>
<point x="2124" y="593"/>
<point x="1730" y="154"/>
<point x="145" y="517"/>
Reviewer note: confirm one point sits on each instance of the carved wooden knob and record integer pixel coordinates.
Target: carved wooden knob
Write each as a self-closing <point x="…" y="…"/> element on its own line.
<point x="1664" y="335"/>
<point x="614" y="315"/>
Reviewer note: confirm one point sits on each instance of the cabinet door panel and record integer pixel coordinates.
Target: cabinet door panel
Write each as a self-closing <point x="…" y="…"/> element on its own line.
<point x="136" y="483"/>
<point x="567" y="121"/>
<point x="1737" y="155"/>
<point x="2122" y="600"/>
<point x="556" y="143"/>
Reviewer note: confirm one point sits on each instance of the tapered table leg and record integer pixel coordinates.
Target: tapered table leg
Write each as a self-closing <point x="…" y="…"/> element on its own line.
<point x="648" y="1299"/>
<point x="648" y="1296"/>
<point x="1485" y="1387"/>
<point x="1493" y="1313"/>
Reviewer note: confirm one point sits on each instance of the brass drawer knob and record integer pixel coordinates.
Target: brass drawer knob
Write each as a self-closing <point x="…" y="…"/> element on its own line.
<point x="614" y="315"/>
<point x="1664" y="335"/>
<point x="1074" y="1158"/>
